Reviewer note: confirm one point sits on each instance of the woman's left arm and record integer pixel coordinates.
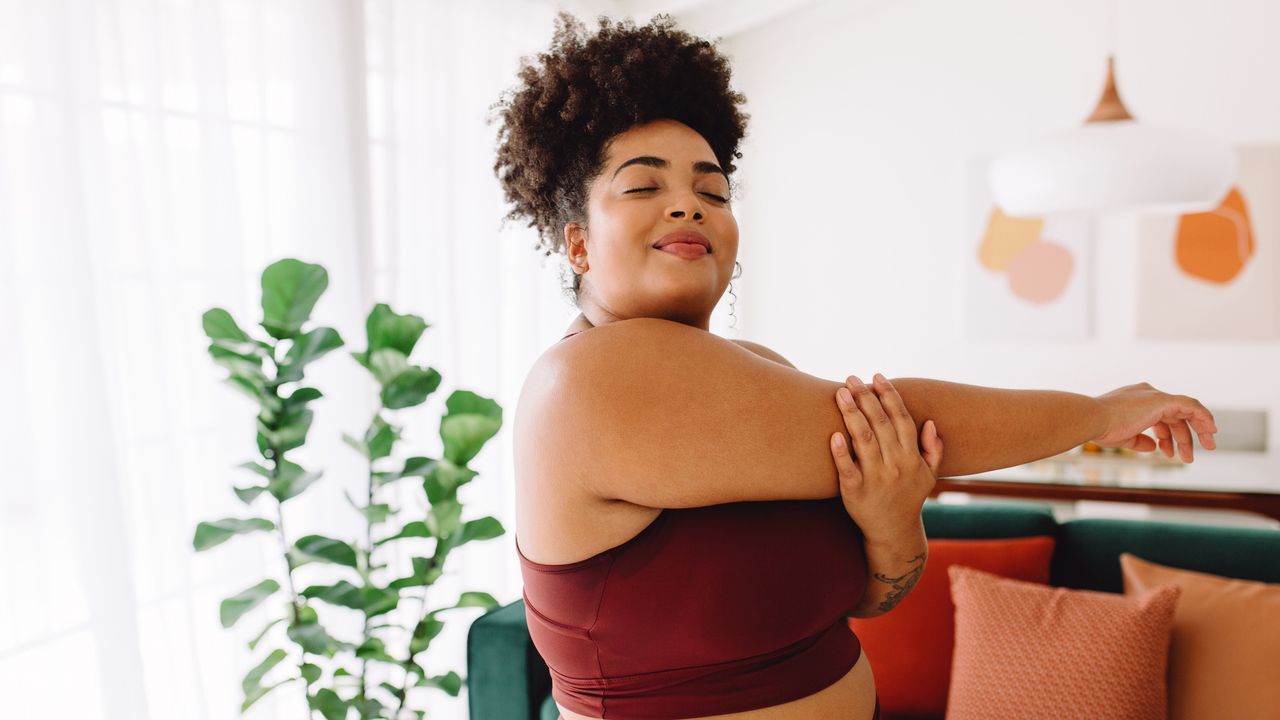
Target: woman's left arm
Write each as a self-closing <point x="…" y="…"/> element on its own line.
<point x="992" y="428"/>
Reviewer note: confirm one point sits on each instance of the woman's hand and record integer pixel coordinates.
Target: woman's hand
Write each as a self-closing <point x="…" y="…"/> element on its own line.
<point x="885" y="487"/>
<point x="1134" y="408"/>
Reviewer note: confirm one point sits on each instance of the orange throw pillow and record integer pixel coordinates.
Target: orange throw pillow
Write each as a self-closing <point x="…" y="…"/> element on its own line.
<point x="1029" y="651"/>
<point x="909" y="647"/>
<point x="1225" y="658"/>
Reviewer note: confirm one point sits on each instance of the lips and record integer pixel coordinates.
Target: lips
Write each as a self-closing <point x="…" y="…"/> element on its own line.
<point x="692" y="237"/>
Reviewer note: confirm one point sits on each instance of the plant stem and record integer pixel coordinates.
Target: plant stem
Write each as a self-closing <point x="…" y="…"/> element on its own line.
<point x="288" y="560"/>
<point x="368" y="544"/>
<point x="404" y="686"/>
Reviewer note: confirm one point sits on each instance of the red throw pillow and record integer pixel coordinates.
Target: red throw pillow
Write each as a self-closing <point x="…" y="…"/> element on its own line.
<point x="1025" y="650"/>
<point x="910" y="646"/>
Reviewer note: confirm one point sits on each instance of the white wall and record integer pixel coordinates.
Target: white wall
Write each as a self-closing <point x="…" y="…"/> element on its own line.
<point x="863" y="118"/>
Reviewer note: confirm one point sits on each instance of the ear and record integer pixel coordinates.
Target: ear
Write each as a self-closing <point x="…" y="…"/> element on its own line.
<point x="575" y="238"/>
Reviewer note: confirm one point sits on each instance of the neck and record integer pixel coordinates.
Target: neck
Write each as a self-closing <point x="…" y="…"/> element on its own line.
<point x="592" y="316"/>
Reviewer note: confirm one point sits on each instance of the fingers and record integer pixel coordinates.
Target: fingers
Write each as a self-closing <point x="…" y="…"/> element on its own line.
<point x="897" y="411"/>
<point x="1182" y="434"/>
<point x="1164" y="438"/>
<point x="850" y="475"/>
<point x="885" y="432"/>
<point x="932" y="446"/>
<point x="1202" y="421"/>
<point x="864" y="438"/>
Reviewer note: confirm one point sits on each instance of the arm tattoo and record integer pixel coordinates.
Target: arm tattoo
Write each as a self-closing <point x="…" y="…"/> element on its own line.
<point x="901" y="584"/>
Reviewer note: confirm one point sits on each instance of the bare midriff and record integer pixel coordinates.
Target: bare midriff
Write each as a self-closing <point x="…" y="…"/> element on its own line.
<point x="852" y="697"/>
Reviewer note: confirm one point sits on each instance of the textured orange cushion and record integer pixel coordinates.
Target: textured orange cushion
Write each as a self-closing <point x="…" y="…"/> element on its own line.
<point x="1029" y="651"/>
<point x="1225" y="657"/>
<point x="909" y="647"/>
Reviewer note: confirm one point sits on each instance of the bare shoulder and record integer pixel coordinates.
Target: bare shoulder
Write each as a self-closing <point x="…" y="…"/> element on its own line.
<point x="663" y="415"/>
<point x="763" y="351"/>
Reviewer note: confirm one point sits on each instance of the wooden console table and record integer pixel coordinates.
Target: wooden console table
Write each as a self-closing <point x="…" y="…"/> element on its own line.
<point x="1217" y="479"/>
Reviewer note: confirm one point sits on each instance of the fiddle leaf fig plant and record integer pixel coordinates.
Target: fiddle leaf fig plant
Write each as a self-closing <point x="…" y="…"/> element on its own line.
<point x="370" y="676"/>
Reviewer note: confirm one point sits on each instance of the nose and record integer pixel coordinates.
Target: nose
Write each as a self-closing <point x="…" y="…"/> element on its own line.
<point x="686" y="205"/>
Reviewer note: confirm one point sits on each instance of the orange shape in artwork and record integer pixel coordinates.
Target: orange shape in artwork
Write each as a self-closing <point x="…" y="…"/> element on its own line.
<point x="1006" y="237"/>
<point x="1215" y="245"/>
<point x="1039" y="273"/>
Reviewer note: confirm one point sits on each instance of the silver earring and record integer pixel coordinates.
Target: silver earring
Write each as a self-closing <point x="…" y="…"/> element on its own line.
<point x="733" y="296"/>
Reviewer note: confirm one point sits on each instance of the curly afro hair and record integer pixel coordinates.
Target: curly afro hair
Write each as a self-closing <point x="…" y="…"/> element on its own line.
<point x="586" y="89"/>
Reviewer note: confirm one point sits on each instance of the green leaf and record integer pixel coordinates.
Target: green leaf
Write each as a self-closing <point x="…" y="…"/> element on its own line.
<point x="252" y="683"/>
<point x="374" y="513"/>
<point x="379" y="438"/>
<point x="219" y="325"/>
<point x="416" y="528"/>
<point x="450" y="682"/>
<point x="246" y="367"/>
<point x="469" y="423"/>
<point x="311" y="548"/>
<point x="329" y="704"/>
<point x="356" y="443"/>
<point x="410" y="388"/>
<point x="289" y="431"/>
<point x="250" y="493"/>
<point x="423" y="633"/>
<point x="387" y="364"/>
<point x="477" y="599"/>
<point x="313" y="639"/>
<point x="443" y="480"/>
<point x="341" y="593"/>
<point x="468" y="600"/>
<point x="291" y="480"/>
<point x="379" y="600"/>
<point x="222" y="329"/>
<point x="253" y="644"/>
<point x="308" y="347"/>
<point x="253" y="390"/>
<point x="425" y="572"/>
<point x="395" y="692"/>
<point x="444" y="518"/>
<point x="242" y="602"/>
<point x="370" y="708"/>
<point x="210" y="534"/>
<point x="310" y="672"/>
<point x="486" y="528"/>
<point x="307" y="614"/>
<point x="373" y="649"/>
<point x="386" y="329"/>
<point x="300" y="397"/>
<point x="290" y="289"/>
<point x="417" y="466"/>
<point x="256" y="468"/>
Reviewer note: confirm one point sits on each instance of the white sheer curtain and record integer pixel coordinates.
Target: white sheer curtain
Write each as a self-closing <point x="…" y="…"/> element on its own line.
<point x="155" y="155"/>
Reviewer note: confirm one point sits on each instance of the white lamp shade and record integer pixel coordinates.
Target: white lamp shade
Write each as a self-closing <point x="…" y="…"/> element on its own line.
<point x="1114" y="166"/>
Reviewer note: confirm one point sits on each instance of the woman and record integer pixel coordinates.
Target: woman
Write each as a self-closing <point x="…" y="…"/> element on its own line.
<point x="693" y="529"/>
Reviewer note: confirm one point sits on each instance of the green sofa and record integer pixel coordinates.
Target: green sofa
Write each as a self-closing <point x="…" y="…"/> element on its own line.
<point x="508" y="680"/>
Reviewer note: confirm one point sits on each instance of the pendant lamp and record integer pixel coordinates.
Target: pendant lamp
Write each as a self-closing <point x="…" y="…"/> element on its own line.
<point x="1114" y="163"/>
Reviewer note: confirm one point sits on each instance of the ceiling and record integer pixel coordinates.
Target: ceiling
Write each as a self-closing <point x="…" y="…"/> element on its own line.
<point x="710" y="18"/>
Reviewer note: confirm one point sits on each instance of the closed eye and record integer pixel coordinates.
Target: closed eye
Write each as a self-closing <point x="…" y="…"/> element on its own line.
<point x="713" y="196"/>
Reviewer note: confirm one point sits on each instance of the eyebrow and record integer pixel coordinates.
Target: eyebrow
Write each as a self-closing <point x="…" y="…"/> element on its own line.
<point x="701" y="166"/>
